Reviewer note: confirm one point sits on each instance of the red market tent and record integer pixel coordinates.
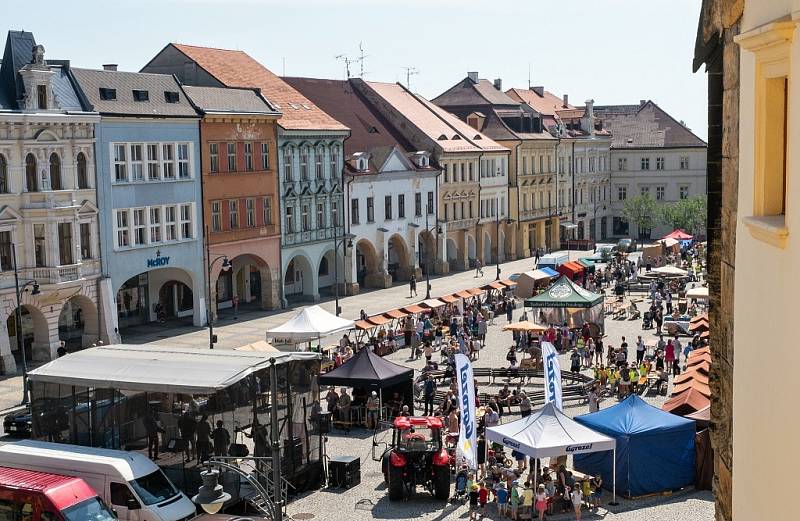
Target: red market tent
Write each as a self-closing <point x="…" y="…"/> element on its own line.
<point x="571" y="269"/>
<point x="678" y="235"/>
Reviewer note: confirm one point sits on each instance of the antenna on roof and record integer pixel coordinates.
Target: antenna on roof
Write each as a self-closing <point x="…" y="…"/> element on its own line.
<point x="529" y="75"/>
<point x="284" y="67"/>
<point x="361" y="57"/>
<point x="347" y="61"/>
<point x="410" y="71"/>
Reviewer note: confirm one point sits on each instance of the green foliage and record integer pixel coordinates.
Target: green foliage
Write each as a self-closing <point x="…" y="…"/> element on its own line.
<point x="688" y="214"/>
<point x="641" y="210"/>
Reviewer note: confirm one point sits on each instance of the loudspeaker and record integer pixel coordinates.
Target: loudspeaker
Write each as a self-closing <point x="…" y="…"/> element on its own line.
<point x="344" y="471"/>
<point x="324" y="423"/>
<point x="292" y="453"/>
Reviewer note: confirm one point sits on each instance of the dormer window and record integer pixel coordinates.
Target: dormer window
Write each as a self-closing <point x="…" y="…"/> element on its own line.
<point x="141" y="95"/>
<point x="361" y="164"/>
<point x="41" y="95"/>
<point x="456" y="137"/>
<point x="171" y="96"/>
<point x="477" y="136"/>
<point x="423" y="161"/>
<point x="108" y="94"/>
<point x="442" y="138"/>
<point x="373" y="130"/>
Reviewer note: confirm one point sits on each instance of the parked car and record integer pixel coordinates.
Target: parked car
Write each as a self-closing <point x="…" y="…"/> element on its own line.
<point x="627" y="245"/>
<point x="42" y="496"/>
<point x="18" y="424"/>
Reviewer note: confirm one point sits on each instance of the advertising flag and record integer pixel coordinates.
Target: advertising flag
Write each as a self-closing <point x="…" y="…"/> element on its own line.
<point x="552" y="373"/>
<point x="467" y="449"/>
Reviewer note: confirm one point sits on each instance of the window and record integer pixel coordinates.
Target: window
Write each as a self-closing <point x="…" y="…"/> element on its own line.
<point x="622" y="163"/>
<point x="170" y="226"/>
<point x="85" y="230"/>
<point x="41" y="95"/>
<point x="471" y="174"/>
<point x="168" y="158"/>
<point x="83" y="174"/>
<point x="524" y="165"/>
<point x="171" y="96"/>
<point x="320" y="215"/>
<point x="335" y="213"/>
<point x="186" y="221"/>
<point x="591" y="164"/>
<point x="417" y="204"/>
<point x="446" y="173"/>
<point x="141" y="95"/>
<point x="6" y="263"/>
<point x="304" y="164"/>
<point x="659" y="163"/>
<point x="248" y="157"/>
<point x="183" y="161"/>
<point x="560" y="165"/>
<point x="123" y="231"/>
<point x="231" y="157"/>
<point x="55" y="172"/>
<point x="541" y="164"/>
<point x="354" y="219"/>
<point x="153" y="164"/>
<point x="430" y="203"/>
<point x="387" y="207"/>
<point x="250" y="207"/>
<point x="334" y="158"/>
<point x="288" y="175"/>
<point x="233" y="213"/>
<point x="318" y="163"/>
<point x="645" y="190"/>
<point x="446" y="216"/>
<point x="216" y="216"/>
<point x="267" y="209"/>
<point x="660" y="193"/>
<point x="305" y="218"/>
<point x="622" y="193"/>
<point x="290" y="219"/>
<point x="684" y="162"/>
<point x="401" y="206"/>
<point x="121" y="494"/>
<point x="120" y="164"/>
<point x="139" y="235"/>
<point x="265" y="156"/>
<point x="108" y="94"/>
<point x="370" y="209"/>
<point x="645" y="163"/>
<point x="137" y="172"/>
<point x="155" y="225"/>
<point x="470" y="209"/>
<point x="683" y="191"/>
<point x="4" y="174"/>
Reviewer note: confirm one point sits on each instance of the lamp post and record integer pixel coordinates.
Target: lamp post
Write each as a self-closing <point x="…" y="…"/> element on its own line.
<point x="18" y="314"/>
<point x="226" y="265"/>
<point x="428" y="229"/>
<point x="497" y="239"/>
<point x="336" y="243"/>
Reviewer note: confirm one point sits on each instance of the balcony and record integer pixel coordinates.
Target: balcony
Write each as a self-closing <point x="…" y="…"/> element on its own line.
<point x="529" y="215"/>
<point x="49" y="199"/>
<point x="461" y="224"/>
<point x="301" y="237"/>
<point x="52" y="275"/>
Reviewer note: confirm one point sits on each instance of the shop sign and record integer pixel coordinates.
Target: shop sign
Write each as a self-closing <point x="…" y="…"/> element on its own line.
<point x="158" y="261"/>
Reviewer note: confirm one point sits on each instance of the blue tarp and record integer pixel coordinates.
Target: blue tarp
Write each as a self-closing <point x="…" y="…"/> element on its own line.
<point x="655" y="449"/>
<point x="550" y="271"/>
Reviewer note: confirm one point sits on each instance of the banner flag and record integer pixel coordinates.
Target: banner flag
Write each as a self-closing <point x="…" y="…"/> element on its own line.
<point x="552" y="372"/>
<point x="467" y="448"/>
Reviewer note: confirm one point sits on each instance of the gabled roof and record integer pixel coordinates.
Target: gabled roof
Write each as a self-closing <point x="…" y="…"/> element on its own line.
<point x="441" y="128"/>
<point x="238" y="69"/>
<point x="468" y="93"/>
<point x="228" y="100"/>
<point x="548" y="104"/>
<point x="91" y="81"/>
<point x="645" y="126"/>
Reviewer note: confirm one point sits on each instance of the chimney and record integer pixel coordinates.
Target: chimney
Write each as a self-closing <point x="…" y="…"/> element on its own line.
<point x="538" y="90"/>
<point x="566" y="100"/>
<point x="498" y="84"/>
<point x="590" y="108"/>
<point x="642" y="102"/>
<point x="473" y="77"/>
<point x="588" y="117"/>
<point x="109" y="66"/>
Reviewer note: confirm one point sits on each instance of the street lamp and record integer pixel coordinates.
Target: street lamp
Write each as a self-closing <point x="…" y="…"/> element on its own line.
<point x="429" y="229"/>
<point x="336" y="243"/>
<point x="20" y="347"/>
<point x="497" y="240"/>
<point x="226" y="265"/>
<point x="210" y="496"/>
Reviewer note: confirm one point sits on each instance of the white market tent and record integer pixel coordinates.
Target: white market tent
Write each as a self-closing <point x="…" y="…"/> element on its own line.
<point x="671" y="271"/>
<point x="700" y="293"/>
<point x="550" y="433"/>
<point x="311" y="323"/>
<point x="158" y="369"/>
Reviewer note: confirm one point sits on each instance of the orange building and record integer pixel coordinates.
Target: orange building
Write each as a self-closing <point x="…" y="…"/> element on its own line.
<point x="238" y="136"/>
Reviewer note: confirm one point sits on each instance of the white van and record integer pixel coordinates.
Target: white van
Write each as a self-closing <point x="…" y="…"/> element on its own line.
<point x="553" y="260"/>
<point x="128" y="482"/>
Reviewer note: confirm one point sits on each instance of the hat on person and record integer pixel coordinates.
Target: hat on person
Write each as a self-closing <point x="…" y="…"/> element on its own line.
<point x="374" y="393"/>
<point x="541" y="487"/>
<point x="501" y="485"/>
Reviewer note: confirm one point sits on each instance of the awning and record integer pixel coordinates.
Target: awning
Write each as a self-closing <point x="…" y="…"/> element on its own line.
<point x="413" y="309"/>
<point x="433" y="303"/>
<point x="586" y="263"/>
<point x="311" y="322"/>
<point x="569" y="225"/>
<point x="260" y="346"/>
<point x="476" y="291"/>
<point x="550" y="271"/>
<point x="463" y="294"/>
<point x="450" y="299"/>
<point x="378" y="320"/>
<point x="698" y="293"/>
<point x="508" y="283"/>
<point x="185" y="370"/>
<point x="493" y="285"/>
<point x="564" y="293"/>
<point x="395" y="314"/>
<point x="363" y="325"/>
<point x="524" y="325"/>
<point x="539" y="274"/>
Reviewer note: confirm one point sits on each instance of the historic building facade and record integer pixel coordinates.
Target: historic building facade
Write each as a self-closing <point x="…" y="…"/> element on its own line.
<point x="651" y="153"/>
<point x="461" y="152"/>
<point x="390" y="190"/>
<point x="48" y="208"/>
<point x="310" y="163"/>
<point x="240" y="195"/>
<point x="530" y="184"/>
<point x="148" y="184"/>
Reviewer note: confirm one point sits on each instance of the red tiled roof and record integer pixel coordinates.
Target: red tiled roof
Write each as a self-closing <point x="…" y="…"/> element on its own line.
<point x="238" y="69"/>
<point x="547" y="105"/>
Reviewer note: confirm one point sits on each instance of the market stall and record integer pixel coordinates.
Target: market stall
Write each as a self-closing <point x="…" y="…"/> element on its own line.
<point x="566" y="302"/>
<point x="686" y="402"/>
<point x="655" y="449"/>
<point x="529" y="281"/>
<point x="312" y="323"/>
<point x="572" y="269"/>
<point x="700" y="293"/>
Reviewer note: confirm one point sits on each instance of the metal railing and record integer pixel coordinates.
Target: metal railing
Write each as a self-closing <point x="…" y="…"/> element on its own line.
<point x="257" y="473"/>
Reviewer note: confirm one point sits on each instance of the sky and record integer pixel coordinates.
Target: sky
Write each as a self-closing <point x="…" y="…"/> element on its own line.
<point x="612" y="51"/>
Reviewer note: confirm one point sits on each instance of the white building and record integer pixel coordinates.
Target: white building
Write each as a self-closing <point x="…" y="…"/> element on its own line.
<point x="48" y="210"/>
<point x="651" y="153"/>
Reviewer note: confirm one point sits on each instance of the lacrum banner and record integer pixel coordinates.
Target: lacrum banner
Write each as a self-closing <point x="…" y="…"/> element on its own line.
<point x="552" y="375"/>
<point x="467" y="449"/>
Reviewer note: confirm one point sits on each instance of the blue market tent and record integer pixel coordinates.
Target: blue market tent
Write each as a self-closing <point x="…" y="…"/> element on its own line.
<point x="550" y="271"/>
<point x="655" y="449"/>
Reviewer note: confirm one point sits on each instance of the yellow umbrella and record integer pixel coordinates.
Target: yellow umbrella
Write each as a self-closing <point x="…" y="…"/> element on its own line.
<point x="524" y="325"/>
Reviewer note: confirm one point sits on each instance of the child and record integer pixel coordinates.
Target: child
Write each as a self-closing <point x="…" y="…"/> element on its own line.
<point x="587" y="492"/>
<point x="502" y="498"/>
<point x="577" y="498"/>
<point x="514" y="501"/>
<point x="483" y="498"/>
<point x="541" y="502"/>
<point x="473" y="501"/>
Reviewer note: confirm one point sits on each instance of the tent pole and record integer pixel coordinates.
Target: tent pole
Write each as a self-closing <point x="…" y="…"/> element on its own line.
<point x="614" y="489"/>
<point x="380" y="405"/>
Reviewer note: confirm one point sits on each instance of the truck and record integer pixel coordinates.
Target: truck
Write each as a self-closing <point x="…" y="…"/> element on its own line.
<point x="553" y="260"/>
<point x="129" y="482"/>
<point x="42" y="496"/>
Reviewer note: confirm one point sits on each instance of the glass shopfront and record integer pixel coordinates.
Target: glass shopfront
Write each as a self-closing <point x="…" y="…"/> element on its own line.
<point x="132" y="302"/>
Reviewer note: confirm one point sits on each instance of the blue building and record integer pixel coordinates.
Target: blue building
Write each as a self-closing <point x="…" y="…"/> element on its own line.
<point x="149" y="192"/>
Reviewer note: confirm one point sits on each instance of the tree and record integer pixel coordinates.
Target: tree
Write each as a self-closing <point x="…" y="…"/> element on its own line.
<point x="641" y="210"/>
<point x="687" y="214"/>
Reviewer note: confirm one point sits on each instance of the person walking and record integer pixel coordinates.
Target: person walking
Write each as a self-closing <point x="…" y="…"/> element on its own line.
<point x="478" y="268"/>
<point x="429" y="392"/>
<point x="576" y="495"/>
<point x="222" y="439"/>
<point x="412" y="286"/>
<point x="203" y="432"/>
<point x="640" y="348"/>
<point x="541" y="502"/>
<point x="187" y="426"/>
<point x="153" y="427"/>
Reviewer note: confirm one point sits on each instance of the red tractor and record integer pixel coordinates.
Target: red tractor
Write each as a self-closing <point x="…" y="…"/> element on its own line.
<point x="416" y="457"/>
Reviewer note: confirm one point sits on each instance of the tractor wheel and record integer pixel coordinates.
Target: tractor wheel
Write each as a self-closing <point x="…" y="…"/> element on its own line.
<point x="441" y="483"/>
<point x="395" y="485"/>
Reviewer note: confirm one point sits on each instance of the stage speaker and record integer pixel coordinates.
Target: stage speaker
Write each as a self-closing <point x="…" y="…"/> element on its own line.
<point x="344" y="471"/>
<point x="324" y="423"/>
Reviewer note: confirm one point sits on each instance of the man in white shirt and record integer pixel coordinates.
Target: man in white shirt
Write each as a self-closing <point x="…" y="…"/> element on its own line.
<point x="640" y="348"/>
